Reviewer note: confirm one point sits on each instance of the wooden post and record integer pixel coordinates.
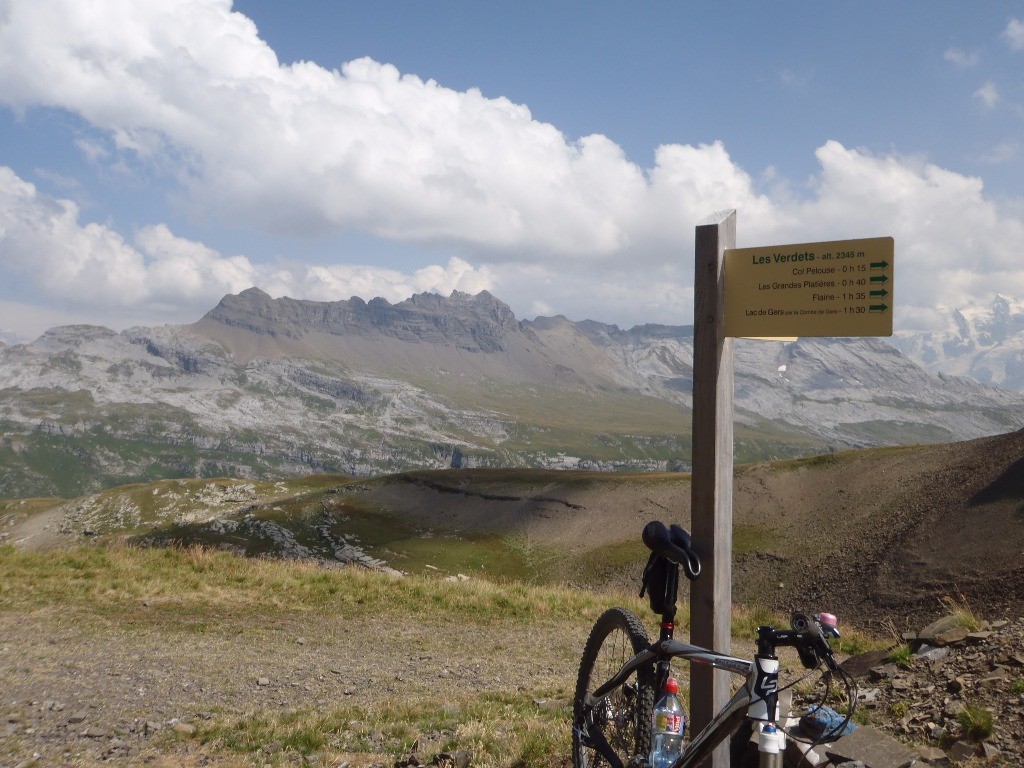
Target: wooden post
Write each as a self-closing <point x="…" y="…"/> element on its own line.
<point x="711" y="487"/>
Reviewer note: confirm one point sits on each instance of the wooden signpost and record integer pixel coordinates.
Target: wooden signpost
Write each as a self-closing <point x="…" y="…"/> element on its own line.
<point x="839" y="288"/>
<point x="711" y="481"/>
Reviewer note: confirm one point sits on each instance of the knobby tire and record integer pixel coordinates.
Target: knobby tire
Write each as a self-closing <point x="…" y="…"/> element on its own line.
<point x="625" y="715"/>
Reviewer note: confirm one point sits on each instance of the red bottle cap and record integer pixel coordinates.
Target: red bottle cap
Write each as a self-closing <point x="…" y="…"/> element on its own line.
<point x="671" y="686"/>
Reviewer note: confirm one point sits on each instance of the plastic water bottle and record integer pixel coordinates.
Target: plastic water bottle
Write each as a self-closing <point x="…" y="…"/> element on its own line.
<point x="669" y="727"/>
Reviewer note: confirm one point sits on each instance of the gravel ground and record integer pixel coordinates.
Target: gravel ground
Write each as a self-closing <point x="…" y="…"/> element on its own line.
<point x="79" y="694"/>
<point x="78" y="690"/>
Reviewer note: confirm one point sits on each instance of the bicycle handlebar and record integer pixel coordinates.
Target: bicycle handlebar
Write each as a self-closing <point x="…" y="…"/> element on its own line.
<point x="809" y="635"/>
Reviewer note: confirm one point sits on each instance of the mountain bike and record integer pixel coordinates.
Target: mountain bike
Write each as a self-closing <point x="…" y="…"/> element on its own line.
<point x="621" y="671"/>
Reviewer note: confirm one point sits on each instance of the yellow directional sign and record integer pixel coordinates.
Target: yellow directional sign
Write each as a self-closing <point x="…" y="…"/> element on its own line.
<point x="839" y="288"/>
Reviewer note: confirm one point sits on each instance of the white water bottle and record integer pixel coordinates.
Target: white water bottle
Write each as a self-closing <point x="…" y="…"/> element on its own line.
<point x="669" y="727"/>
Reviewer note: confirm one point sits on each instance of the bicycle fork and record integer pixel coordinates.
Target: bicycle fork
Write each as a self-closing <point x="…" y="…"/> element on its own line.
<point x="771" y="746"/>
<point x="771" y="740"/>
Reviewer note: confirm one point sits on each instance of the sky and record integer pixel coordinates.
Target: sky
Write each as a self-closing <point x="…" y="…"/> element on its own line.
<point x="156" y="155"/>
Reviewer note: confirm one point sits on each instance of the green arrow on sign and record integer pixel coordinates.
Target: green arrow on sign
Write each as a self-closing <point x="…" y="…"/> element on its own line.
<point x="879" y="279"/>
<point x="881" y="293"/>
<point x="878" y="308"/>
<point x="879" y="264"/>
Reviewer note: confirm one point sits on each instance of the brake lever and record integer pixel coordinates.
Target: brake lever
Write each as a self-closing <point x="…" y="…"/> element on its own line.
<point x="816" y="631"/>
<point x="826" y="623"/>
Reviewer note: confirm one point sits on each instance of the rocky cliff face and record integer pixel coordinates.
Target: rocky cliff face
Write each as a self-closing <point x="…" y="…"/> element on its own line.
<point x="263" y="387"/>
<point x="478" y="323"/>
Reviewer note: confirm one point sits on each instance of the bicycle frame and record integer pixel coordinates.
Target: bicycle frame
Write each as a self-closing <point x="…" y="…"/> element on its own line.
<point x="757" y="699"/>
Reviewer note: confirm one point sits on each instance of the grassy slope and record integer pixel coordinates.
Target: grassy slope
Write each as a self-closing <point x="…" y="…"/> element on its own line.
<point x="858" y="530"/>
<point x="609" y="424"/>
<point x="203" y="597"/>
<point x="384" y="518"/>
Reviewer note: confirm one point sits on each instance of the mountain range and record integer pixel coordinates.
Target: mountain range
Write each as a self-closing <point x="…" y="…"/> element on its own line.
<point x="984" y="343"/>
<point x="263" y="388"/>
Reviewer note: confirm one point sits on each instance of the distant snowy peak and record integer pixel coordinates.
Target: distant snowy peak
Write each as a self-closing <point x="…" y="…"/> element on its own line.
<point x="985" y="343"/>
<point x="989" y="326"/>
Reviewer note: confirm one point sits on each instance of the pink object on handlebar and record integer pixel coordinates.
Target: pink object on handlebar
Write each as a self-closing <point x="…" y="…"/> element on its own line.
<point x="828" y="620"/>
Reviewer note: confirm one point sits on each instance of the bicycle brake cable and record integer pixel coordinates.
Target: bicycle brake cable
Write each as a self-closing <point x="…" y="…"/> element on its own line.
<point x="851" y="697"/>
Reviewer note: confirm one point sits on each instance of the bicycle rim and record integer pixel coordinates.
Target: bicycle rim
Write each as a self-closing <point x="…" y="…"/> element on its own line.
<point x="624" y="716"/>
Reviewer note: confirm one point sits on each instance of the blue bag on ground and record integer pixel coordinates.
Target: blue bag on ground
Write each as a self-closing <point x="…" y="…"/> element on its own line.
<point x="823" y="721"/>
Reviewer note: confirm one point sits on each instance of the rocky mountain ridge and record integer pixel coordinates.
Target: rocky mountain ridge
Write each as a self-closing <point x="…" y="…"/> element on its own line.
<point x="475" y="323"/>
<point x="263" y="387"/>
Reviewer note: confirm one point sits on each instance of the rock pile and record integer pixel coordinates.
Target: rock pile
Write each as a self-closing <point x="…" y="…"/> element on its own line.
<point x="956" y="694"/>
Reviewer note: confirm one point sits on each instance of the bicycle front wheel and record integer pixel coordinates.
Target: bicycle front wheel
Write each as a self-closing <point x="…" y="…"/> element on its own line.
<point x="622" y="719"/>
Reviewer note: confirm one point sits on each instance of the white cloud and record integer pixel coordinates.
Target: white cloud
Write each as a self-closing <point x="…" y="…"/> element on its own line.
<point x="94" y="151"/>
<point x="961" y="58"/>
<point x="182" y="271"/>
<point x="300" y="149"/>
<point x="953" y="245"/>
<point x="988" y="95"/>
<point x="951" y="242"/>
<point x="329" y="283"/>
<point x="541" y="309"/>
<point x="42" y="237"/>
<point x="188" y="89"/>
<point x="92" y="268"/>
<point x="90" y="265"/>
<point x="1014" y="34"/>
